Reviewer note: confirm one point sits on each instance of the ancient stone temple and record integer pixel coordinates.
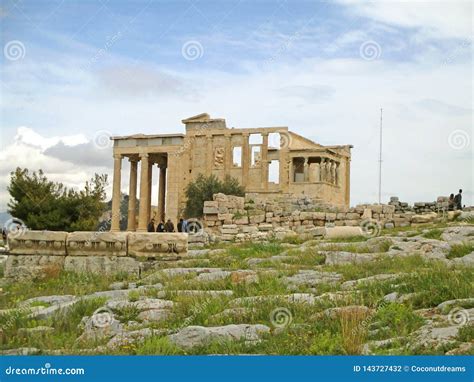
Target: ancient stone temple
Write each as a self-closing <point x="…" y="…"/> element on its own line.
<point x="268" y="161"/>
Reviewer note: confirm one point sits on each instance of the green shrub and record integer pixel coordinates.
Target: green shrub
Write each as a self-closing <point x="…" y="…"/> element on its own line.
<point x="204" y="187"/>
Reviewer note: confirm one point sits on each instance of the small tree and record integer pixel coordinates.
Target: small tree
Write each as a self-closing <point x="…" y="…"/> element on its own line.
<point x="46" y="205"/>
<point x="203" y="188"/>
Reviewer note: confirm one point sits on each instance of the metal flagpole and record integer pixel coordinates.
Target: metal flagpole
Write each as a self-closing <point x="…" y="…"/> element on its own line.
<point x="380" y="160"/>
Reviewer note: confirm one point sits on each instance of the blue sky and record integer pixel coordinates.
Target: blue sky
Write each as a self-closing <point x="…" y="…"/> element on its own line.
<point x="73" y="72"/>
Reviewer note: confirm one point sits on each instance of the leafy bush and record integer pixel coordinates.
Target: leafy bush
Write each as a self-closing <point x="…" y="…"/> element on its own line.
<point x="204" y="187"/>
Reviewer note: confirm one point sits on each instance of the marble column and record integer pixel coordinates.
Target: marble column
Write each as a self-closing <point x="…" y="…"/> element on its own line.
<point x="150" y="181"/>
<point x="144" y="200"/>
<point x="162" y="193"/>
<point x="264" y="161"/>
<point x="116" y="199"/>
<point x="132" y="196"/>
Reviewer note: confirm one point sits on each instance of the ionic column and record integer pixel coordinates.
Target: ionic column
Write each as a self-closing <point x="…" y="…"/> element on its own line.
<point x="115" y="223"/>
<point x="264" y="161"/>
<point x="245" y="159"/>
<point x="132" y="196"/>
<point x="162" y="193"/>
<point x="144" y="199"/>
<point x="150" y="180"/>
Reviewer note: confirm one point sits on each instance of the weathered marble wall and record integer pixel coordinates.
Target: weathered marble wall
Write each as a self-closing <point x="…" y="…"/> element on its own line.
<point x="34" y="253"/>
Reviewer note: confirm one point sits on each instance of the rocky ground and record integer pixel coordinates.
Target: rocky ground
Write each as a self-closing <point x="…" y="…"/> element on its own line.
<point x="407" y="291"/>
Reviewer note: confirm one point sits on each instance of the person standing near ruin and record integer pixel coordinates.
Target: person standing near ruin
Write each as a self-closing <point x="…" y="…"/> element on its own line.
<point x="458" y="200"/>
<point x="169" y="226"/>
<point x="151" y="226"/>
<point x="160" y="227"/>
<point x="180" y="225"/>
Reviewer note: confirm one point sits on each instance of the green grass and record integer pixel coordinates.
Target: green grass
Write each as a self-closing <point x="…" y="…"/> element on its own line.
<point x="77" y="284"/>
<point x="433" y="234"/>
<point x="396" y="320"/>
<point x="460" y="250"/>
<point x="466" y="333"/>
<point x="383" y="265"/>
<point x="255" y="250"/>
<point x="65" y="324"/>
<point x="157" y="346"/>
<point x="438" y="283"/>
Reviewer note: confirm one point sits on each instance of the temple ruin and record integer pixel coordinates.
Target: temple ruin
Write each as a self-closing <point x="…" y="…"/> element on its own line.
<point x="268" y="161"/>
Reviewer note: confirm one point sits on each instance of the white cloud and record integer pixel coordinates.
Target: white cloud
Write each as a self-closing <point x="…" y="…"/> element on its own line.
<point x="27" y="136"/>
<point x="435" y="19"/>
<point x="30" y="150"/>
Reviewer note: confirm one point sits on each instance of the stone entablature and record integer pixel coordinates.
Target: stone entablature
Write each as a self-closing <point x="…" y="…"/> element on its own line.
<point x="52" y="243"/>
<point x="34" y="252"/>
<point x="268" y="161"/>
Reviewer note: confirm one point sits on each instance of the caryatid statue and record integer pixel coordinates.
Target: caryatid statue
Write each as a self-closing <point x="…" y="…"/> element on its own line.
<point x="333" y="173"/>
<point x="317" y="172"/>
<point x="323" y="170"/>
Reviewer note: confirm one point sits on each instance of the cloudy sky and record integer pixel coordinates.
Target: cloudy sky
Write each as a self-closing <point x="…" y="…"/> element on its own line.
<point x="74" y="73"/>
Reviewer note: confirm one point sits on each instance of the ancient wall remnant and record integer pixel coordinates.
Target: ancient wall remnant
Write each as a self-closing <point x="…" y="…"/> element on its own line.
<point x="232" y="218"/>
<point x="35" y="252"/>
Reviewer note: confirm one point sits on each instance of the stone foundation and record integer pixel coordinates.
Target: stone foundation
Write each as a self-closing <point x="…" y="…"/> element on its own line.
<point x="35" y="253"/>
<point x="232" y="218"/>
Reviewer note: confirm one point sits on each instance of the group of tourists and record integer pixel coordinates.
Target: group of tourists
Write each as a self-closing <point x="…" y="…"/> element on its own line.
<point x="455" y="202"/>
<point x="182" y="226"/>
